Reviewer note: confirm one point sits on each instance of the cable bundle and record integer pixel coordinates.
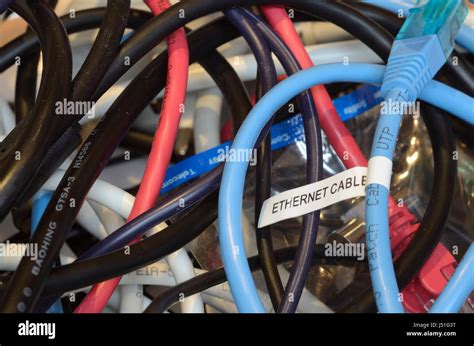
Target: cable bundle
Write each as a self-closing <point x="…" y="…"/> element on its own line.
<point x="98" y="195"/>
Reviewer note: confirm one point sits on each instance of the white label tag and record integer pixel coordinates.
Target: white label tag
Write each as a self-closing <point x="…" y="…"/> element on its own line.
<point x="308" y="198"/>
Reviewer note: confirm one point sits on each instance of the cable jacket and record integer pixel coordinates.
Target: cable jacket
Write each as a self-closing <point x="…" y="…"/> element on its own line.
<point x="162" y="148"/>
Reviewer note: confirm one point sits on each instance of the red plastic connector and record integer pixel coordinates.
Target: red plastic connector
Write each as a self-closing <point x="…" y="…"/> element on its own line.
<point x="421" y="292"/>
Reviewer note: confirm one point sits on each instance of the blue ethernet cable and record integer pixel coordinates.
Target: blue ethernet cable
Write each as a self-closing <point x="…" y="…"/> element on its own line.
<point x="459" y="286"/>
<point x="233" y="180"/>
<point x="421" y="48"/>
<point x="464" y="38"/>
<point x="40" y="203"/>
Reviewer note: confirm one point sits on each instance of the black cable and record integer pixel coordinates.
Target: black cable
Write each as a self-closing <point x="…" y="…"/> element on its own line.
<point x="83" y="20"/>
<point x="28" y="44"/>
<point x="159" y="27"/>
<point x="88" y="272"/>
<point x="264" y="235"/>
<point x="138" y="140"/>
<point x="369" y="30"/>
<point x="98" y="269"/>
<point x="103" y="51"/>
<point x="25" y="96"/>
<point x="97" y="62"/>
<point x="380" y="41"/>
<point x="26" y="79"/>
<point x="267" y="78"/>
<point x="170" y="296"/>
<point x="92" y="158"/>
<point x="45" y="128"/>
<point x="25" y="87"/>
<point x="222" y="73"/>
<point x="32" y="137"/>
<point x="100" y="57"/>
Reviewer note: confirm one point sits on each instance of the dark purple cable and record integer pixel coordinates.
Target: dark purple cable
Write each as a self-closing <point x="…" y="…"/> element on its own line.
<point x="266" y="79"/>
<point x="304" y="253"/>
<point x="4" y="4"/>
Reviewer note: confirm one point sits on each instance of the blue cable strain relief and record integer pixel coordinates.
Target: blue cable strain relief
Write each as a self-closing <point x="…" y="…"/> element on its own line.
<point x="413" y="62"/>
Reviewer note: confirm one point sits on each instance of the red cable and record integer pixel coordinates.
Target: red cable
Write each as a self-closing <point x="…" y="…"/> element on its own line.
<point x="338" y="136"/>
<point x="162" y="148"/>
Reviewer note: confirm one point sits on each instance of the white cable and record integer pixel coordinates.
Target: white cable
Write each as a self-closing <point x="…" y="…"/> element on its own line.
<point x="131" y="299"/>
<point x="114" y="303"/>
<point x="7" y="118"/>
<point x="183" y="270"/>
<point x="67" y="256"/>
<point x="88" y="219"/>
<point x="126" y="174"/>
<point x="206" y="136"/>
<point x="159" y="274"/>
<point x="109" y="219"/>
<point x="207" y="119"/>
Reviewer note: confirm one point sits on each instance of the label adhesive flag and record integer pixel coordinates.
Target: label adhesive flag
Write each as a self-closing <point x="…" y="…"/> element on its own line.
<point x="308" y="198"/>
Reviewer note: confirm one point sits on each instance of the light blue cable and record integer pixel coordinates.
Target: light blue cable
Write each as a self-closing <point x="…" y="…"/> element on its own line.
<point x="40" y="203"/>
<point x="464" y="38"/>
<point x="382" y="273"/>
<point x="233" y="180"/>
<point x="459" y="286"/>
<point x="421" y="48"/>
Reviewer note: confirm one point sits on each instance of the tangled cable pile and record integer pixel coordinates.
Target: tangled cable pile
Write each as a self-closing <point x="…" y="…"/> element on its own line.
<point x="128" y="132"/>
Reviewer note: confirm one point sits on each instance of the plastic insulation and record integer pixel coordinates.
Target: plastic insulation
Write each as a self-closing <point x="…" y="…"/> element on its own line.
<point x="231" y="192"/>
<point x="266" y="79"/>
<point x="464" y="37"/>
<point x="40" y="204"/>
<point x="338" y="135"/>
<point x="215" y="277"/>
<point x="459" y="287"/>
<point x="162" y="148"/>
